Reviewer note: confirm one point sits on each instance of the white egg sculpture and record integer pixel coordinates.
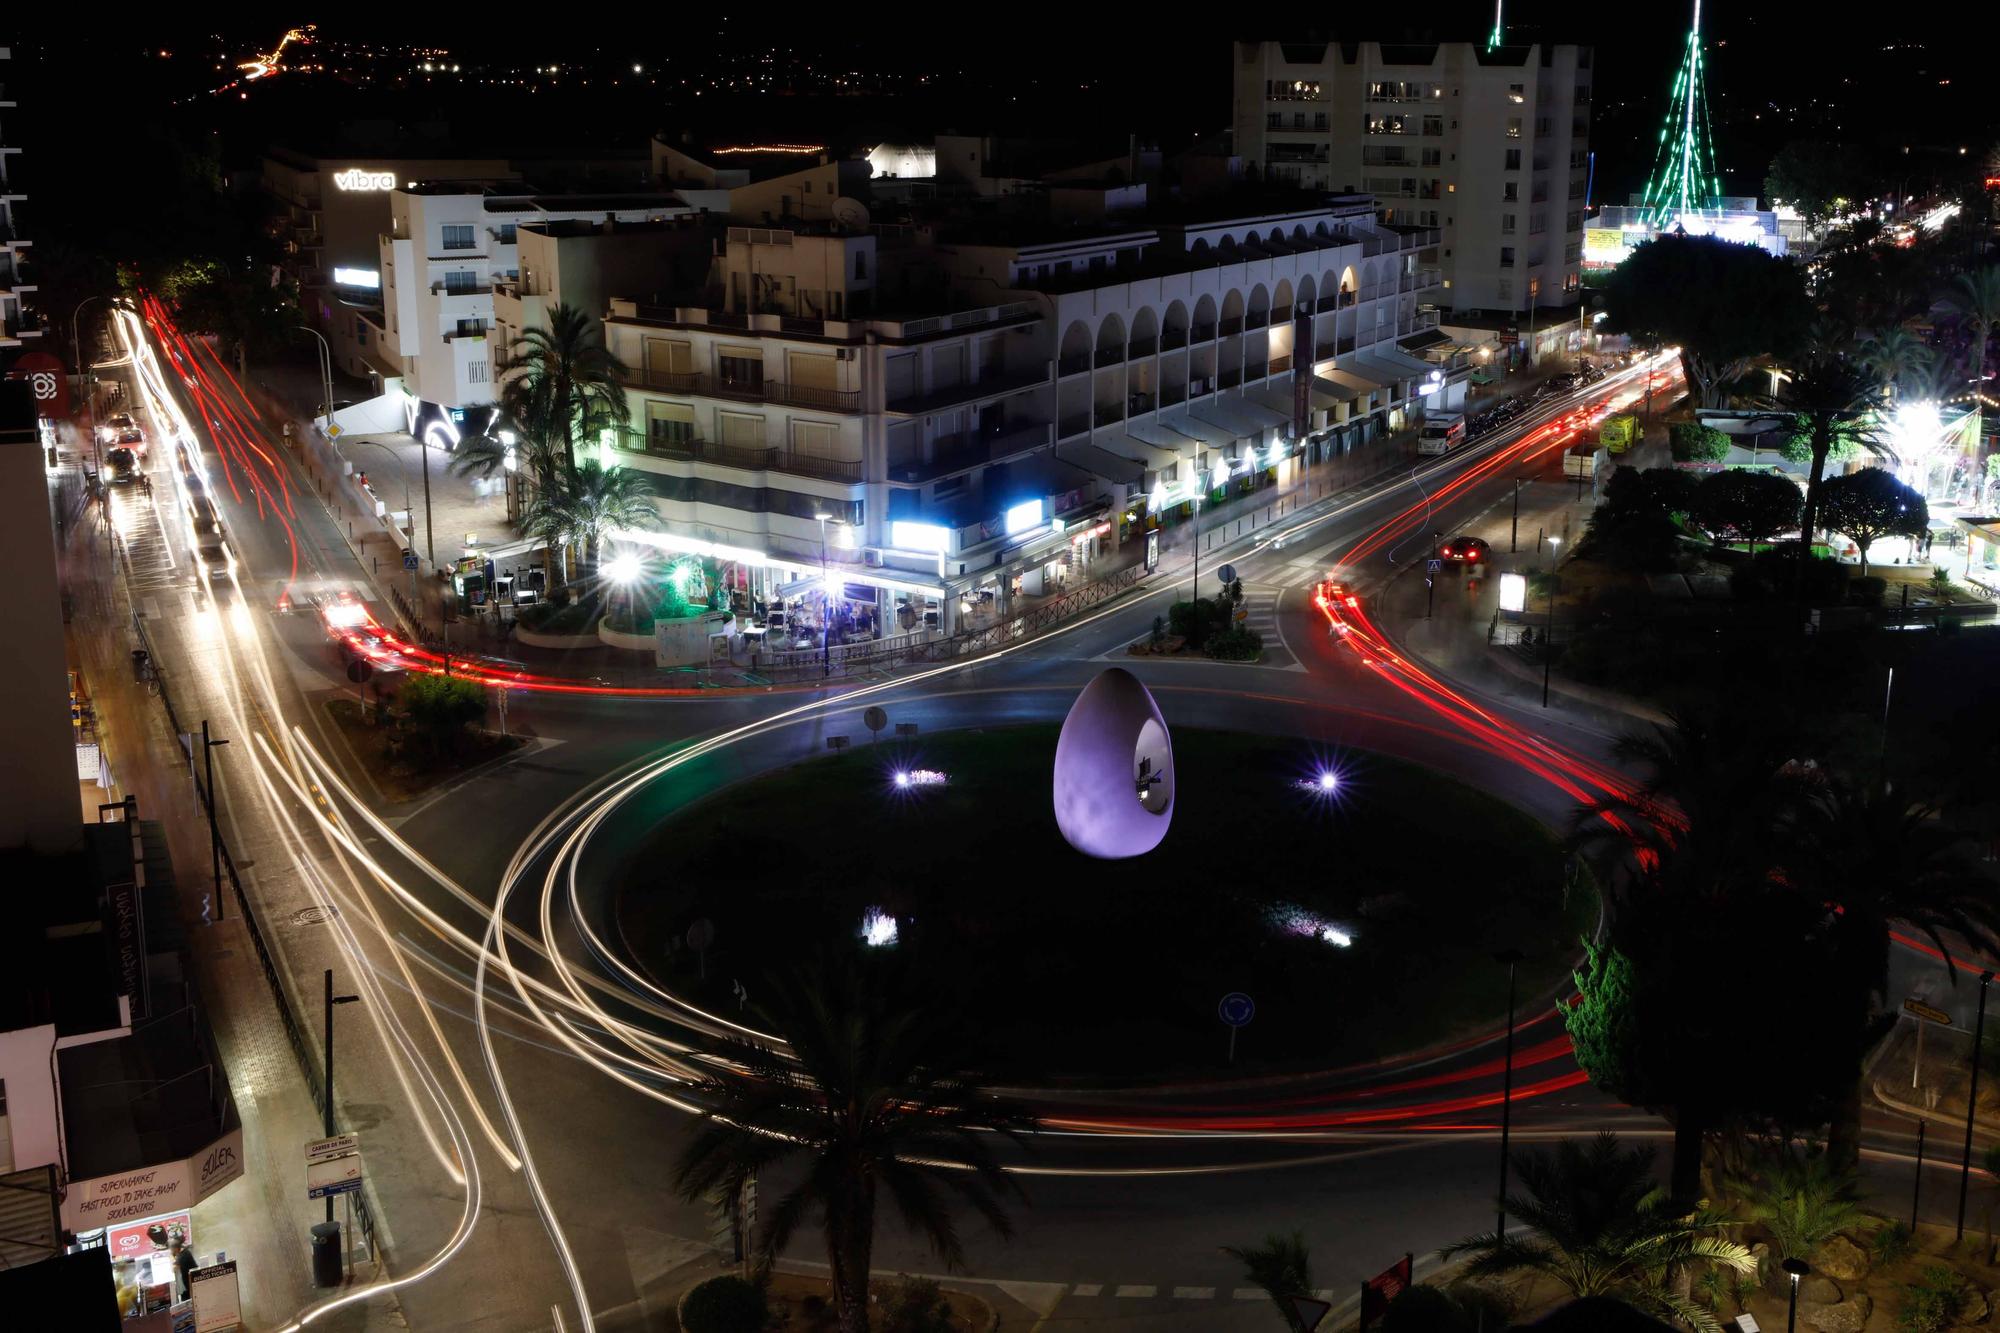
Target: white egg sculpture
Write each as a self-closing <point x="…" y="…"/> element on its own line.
<point x="1114" y="774"/>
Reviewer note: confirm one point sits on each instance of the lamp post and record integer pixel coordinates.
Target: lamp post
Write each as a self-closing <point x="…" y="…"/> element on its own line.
<point x="1194" y="589"/>
<point x="1548" y="631"/>
<point x="331" y="1000"/>
<point x="1511" y="959"/>
<point x="325" y="369"/>
<point x="1796" y="1269"/>
<point x="826" y="598"/>
<point x="1972" y="1101"/>
<point x="83" y="369"/>
<point x="214" y="836"/>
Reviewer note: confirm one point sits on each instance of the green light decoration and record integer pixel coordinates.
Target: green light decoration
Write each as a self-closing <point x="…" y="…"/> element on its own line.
<point x="1684" y="178"/>
<point x="1494" y="40"/>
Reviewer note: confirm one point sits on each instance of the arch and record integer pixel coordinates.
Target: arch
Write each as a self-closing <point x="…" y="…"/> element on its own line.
<point x="1176" y="320"/>
<point x="1200" y="249"/>
<point x="1299" y="233"/>
<point x="1277" y="235"/>
<point x="1281" y="295"/>
<point x="1348" y="282"/>
<point x="1111" y="338"/>
<point x="1308" y="293"/>
<point x="1260" y="299"/>
<point x="1076" y="340"/>
<point x="1232" y="305"/>
<point x="1204" y="316"/>
<point x="1228" y="248"/>
<point x="1145" y="329"/>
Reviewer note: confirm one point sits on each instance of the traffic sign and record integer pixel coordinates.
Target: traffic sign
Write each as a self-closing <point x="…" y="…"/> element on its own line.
<point x="1433" y="565"/>
<point x="1927" y="1012"/>
<point x="333" y="432"/>
<point x="359" y="669"/>
<point x="340" y="1145"/>
<point x="1228" y="573"/>
<point x="1237" y="1009"/>
<point x="874" y="719"/>
<point x="1310" y="1312"/>
<point x="410" y="560"/>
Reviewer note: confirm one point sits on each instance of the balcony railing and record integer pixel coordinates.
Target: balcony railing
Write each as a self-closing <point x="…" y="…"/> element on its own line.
<point x="752" y="458"/>
<point x="1109" y="414"/>
<point x="1110" y="356"/>
<point x="1343" y="346"/>
<point x="1204" y="333"/>
<point x="1229" y="379"/>
<point x="769" y="391"/>
<point x="1073" y="365"/>
<point x="950" y="453"/>
<point x="1139" y="347"/>
<point x="1281" y="314"/>
<point x="1256" y="319"/>
<point x="1076" y="423"/>
<point x="1173" y="340"/>
<point x="1281" y="364"/>
<point x="1172" y="394"/>
<point x="1232" y="327"/>
<point x="953" y="394"/>
<point x="1137" y="404"/>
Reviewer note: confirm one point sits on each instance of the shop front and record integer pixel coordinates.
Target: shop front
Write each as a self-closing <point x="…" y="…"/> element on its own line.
<point x="145" y="1219"/>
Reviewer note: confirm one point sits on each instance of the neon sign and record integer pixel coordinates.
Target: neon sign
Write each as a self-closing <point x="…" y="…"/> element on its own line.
<point x="356" y="181"/>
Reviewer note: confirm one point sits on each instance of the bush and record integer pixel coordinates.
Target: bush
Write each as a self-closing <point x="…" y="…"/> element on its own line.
<point x="915" y="1305"/>
<point x="725" y="1304"/>
<point x="1692" y="442"/>
<point x="1196" y="620"/>
<point x="1421" y="1309"/>
<point x="1868" y="591"/>
<point x="553" y="617"/>
<point x="1932" y="1302"/>
<point x="440" y="708"/>
<point x="1891" y="1243"/>
<point x="1240" y="644"/>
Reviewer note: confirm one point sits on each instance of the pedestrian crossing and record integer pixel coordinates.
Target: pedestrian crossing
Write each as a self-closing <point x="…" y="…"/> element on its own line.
<point x="151" y="567"/>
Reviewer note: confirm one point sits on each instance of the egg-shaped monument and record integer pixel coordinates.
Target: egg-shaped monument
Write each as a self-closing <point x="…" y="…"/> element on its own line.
<point x="1114" y="774"/>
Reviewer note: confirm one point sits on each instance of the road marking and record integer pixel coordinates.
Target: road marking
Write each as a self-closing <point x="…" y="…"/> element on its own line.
<point x="1249" y="1294"/>
<point x="1194" y="1293"/>
<point x="1136" y="1291"/>
<point x="1086" y="1289"/>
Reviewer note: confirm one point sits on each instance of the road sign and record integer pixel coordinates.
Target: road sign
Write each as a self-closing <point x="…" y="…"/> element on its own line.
<point x="410" y="560"/>
<point x="340" y="1145"/>
<point x="1237" y="1009"/>
<point x="1228" y="573"/>
<point x="1927" y="1012"/>
<point x="359" y="669"/>
<point x="874" y="719"/>
<point x="1310" y="1312"/>
<point x="342" y="1175"/>
<point x="333" y="432"/>
<point x="1433" y="565"/>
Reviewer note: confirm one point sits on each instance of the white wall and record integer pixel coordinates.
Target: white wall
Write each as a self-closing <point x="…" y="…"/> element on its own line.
<point x="31" y="1098"/>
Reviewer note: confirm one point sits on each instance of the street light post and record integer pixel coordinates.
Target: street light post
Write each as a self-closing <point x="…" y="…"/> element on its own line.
<point x="214" y="835"/>
<point x="1796" y="1269"/>
<point x="1972" y="1101"/>
<point x="89" y="388"/>
<point x="327" y="1124"/>
<point x="1512" y="959"/>
<point x="826" y="599"/>
<point x="325" y="369"/>
<point x="1194" y="589"/>
<point x="1548" y="630"/>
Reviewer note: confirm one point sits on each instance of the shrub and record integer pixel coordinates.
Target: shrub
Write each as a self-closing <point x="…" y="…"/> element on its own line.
<point x="1941" y="588"/>
<point x="1421" y="1309"/>
<point x="1867" y="591"/>
<point x="552" y="617"/>
<point x="1196" y="620"/>
<point x="725" y="1304"/>
<point x="1240" y="644"/>
<point x="915" y="1305"/>
<point x="1692" y="442"/>
<point x="1932" y="1302"/>
<point x="1802" y="1198"/>
<point x="1891" y="1243"/>
<point x="440" y="708"/>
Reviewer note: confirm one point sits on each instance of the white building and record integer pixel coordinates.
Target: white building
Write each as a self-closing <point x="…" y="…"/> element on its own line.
<point x="449" y="247"/>
<point x="17" y="322"/>
<point x="1490" y="148"/>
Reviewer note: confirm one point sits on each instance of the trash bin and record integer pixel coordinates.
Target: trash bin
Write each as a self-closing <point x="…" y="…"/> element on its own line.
<point x="326" y="1254"/>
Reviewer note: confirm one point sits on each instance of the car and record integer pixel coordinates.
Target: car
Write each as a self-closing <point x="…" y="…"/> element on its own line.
<point x="121" y="466"/>
<point x="115" y="424"/>
<point x="1464" y="550"/>
<point x="132" y="438"/>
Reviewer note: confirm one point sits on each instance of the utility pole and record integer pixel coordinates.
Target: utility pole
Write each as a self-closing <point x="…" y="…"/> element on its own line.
<point x="214" y="835"/>
<point x="327" y="1120"/>
<point x="1972" y="1101"/>
<point x="1514" y="533"/>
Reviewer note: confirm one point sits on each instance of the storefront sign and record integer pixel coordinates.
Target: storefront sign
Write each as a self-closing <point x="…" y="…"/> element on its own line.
<point x="155" y="1233"/>
<point x="47" y="380"/>
<point x="1152" y="550"/>
<point x="356" y="181"/>
<point x="128" y="943"/>
<point x="128" y="1196"/>
<point x="218" y="1305"/>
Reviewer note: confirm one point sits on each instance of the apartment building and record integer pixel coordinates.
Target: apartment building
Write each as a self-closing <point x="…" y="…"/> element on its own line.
<point x="18" y="321"/>
<point x="1488" y="147"/>
<point x="960" y="411"/>
<point x="446" y="250"/>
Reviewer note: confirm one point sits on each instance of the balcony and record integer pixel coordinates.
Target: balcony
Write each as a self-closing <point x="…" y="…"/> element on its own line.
<point x="953" y="453"/>
<point x="1256" y="319"/>
<point x="1138" y="404"/>
<point x="1140" y="347"/>
<point x="1229" y="379"/>
<point x="1073" y="365"/>
<point x="1172" y="395"/>
<point x="1342" y="346"/>
<point x="1110" y="356"/>
<point x="769" y="391"/>
<point x="1232" y="327"/>
<point x="1281" y="314"/>
<point x="953" y="394"/>
<point x="1108" y="414"/>
<point x="1204" y="333"/>
<point x="758" y="459"/>
<point x="1076" y="423"/>
<point x="1173" y="340"/>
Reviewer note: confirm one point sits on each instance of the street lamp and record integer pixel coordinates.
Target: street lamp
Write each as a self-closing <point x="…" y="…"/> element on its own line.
<point x="325" y="369"/>
<point x="214" y="837"/>
<point x="1797" y="1269"/>
<point x="83" y="369"/>
<point x="1972" y="1100"/>
<point x="826" y="601"/>
<point x="331" y="1000"/>
<point x="624" y="570"/>
<point x="1548" y="631"/>
<point x="1511" y="960"/>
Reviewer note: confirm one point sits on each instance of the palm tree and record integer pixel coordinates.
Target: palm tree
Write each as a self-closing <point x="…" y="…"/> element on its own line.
<point x="564" y="386"/>
<point x="1282" y="1268"/>
<point x="597" y="500"/>
<point x="1602" y="1227"/>
<point x="547" y="520"/>
<point x="1830" y="397"/>
<point x="1802" y="1198"/>
<point x="869" y="1095"/>
<point x="1898" y="356"/>
<point x="1976" y="298"/>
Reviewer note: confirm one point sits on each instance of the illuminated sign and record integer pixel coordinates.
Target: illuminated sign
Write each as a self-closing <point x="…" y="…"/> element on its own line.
<point x="1023" y="516"/>
<point x="1513" y="592"/>
<point x="918" y="536"/>
<point x="357" y="277"/>
<point x="356" y="181"/>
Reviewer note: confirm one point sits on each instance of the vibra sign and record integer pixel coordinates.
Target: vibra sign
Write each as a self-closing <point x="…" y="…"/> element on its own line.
<point x="357" y="181"/>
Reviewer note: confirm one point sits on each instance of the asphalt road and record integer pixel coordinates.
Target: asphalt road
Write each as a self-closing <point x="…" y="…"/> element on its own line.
<point x="1123" y="1229"/>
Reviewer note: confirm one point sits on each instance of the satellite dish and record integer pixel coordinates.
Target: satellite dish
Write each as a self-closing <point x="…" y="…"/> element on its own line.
<point x="850" y="212"/>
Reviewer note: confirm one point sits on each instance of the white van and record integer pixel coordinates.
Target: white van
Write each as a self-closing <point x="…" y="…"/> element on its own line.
<point x="1441" y="433"/>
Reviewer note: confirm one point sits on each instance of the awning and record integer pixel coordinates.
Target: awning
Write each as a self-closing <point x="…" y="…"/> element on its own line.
<point x="1272" y="398"/>
<point x="1417" y="342"/>
<point x="1481" y="377"/>
<point x="1150" y="456"/>
<point x="1161" y="434"/>
<point x="1103" y="463"/>
<point x="1258" y="410"/>
<point x="1231" y="415"/>
<point x="1210" y="434"/>
<point x="1406" y="365"/>
<point x="1335" y="389"/>
<point x="1365" y="377"/>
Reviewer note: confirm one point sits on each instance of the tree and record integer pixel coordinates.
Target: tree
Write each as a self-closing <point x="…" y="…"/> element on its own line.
<point x="598" y="500"/>
<point x="1802" y="1197"/>
<point x="1752" y="505"/>
<point x="1897" y="356"/>
<point x="1815" y="178"/>
<point x="1282" y="1269"/>
<point x="868" y="1092"/>
<point x="1871" y="504"/>
<point x="1832" y="400"/>
<point x="1724" y="305"/>
<point x="1692" y="442"/>
<point x="564" y="386"/>
<point x="1603" y="1228"/>
<point x="440" y="708"/>
<point x="1976" y="298"/>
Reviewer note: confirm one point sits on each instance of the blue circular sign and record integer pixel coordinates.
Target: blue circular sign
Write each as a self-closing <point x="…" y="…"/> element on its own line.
<point x="1237" y="1009"/>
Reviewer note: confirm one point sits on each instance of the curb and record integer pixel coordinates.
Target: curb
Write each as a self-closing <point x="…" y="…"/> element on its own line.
<point x="1582" y="693"/>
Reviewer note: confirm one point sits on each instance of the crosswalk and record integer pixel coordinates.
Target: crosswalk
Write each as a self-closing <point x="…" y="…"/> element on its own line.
<point x="151" y="564"/>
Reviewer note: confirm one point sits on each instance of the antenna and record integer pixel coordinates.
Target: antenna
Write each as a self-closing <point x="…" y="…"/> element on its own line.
<point x="1684" y="178"/>
<point x="1494" y="40"/>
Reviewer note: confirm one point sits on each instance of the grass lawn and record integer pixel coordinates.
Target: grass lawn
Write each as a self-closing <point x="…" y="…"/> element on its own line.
<point x="401" y="776"/>
<point x="1074" y="966"/>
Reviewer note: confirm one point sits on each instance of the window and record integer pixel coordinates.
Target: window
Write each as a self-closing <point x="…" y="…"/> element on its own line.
<point x="1510" y="193"/>
<point x="1506" y="256"/>
<point x="1506" y="224"/>
<point x="469" y="327"/>
<point x="1537" y="223"/>
<point x="1583" y="57"/>
<point x="3" y="1096"/>
<point x="740" y="370"/>
<point x="1433" y="125"/>
<point x="1513" y="159"/>
<point x="1583" y="94"/>
<point x="860" y="264"/>
<point x="816" y="439"/>
<point x="1274" y="120"/>
<point x="740" y="431"/>
<point x="507" y="232"/>
<point x="1298" y="120"/>
<point x="1319" y="120"/>
<point x="1433" y="157"/>
<point x="1513" y="127"/>
<point x="669" y="425"/>
<point x="461" y="282"/>
<point x="1517" y="92"/>
<point x="475" y="372"/>
<point x="1384" y="124"/>
<point x="458" y="236"/>
<point x="1573" y="222"/>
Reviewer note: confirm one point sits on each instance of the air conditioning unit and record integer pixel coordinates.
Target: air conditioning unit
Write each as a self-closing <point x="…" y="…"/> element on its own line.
<point x="871" y="555"/>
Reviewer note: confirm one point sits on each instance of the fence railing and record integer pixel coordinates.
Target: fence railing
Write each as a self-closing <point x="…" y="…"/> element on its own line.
<point x="308" y="1059"/>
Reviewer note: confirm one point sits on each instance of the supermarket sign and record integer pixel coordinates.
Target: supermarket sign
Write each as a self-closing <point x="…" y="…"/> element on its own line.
<point x="170" y="1187"/>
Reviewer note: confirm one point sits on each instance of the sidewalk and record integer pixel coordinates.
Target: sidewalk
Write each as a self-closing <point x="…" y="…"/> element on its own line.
<point x="263" y="1220"/>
